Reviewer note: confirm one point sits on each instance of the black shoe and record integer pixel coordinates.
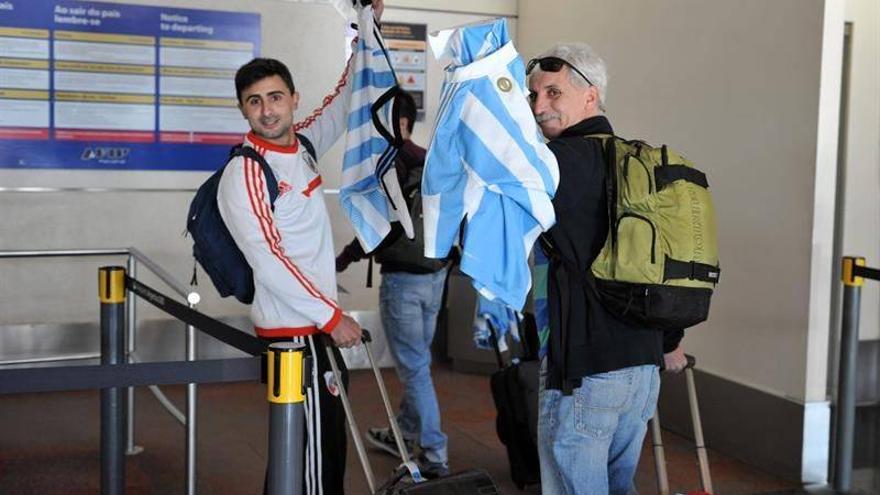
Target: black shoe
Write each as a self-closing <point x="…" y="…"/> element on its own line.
<point x="383" y="438"/>
<point x="431" y="470"/>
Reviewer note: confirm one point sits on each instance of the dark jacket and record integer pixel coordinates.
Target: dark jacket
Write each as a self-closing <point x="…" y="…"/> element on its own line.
<point x="585" y="339"/>
<point x="396" y="253"/>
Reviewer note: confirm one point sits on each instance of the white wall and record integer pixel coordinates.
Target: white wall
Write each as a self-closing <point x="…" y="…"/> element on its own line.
<point x="480" y="7"/>
<point x="861" y="233"/>
<point x="735" y="86"/>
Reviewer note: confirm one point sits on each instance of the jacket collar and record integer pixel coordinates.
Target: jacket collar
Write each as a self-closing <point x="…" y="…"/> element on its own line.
<point x="593" y="125"/>
<point x="258" y="141"/>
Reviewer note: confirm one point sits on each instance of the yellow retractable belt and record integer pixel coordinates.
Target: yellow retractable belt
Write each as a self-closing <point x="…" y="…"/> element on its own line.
<point x="285" y="380"/>
<point x="111" y="284"/>
<point x="849" y="262"/>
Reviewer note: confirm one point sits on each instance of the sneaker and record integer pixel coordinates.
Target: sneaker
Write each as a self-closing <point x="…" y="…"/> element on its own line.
<point x="383" y="438"/>
<point x="431" y="470"/>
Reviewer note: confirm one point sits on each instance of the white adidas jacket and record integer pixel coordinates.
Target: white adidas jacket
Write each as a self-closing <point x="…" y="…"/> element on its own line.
<point x="290" y="249"/>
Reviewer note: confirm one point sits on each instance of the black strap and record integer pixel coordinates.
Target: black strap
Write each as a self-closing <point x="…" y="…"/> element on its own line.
<point x="393" y="135"/>
<point x="271" y="181"/>
<point x="219" y="330"/>
<point x="865" y="272"/>
<point x="557" y="263"/>
<point x="668" y="174"/>
<point x="57" y="379"/>
<point x="609" y="149"/>
<point x="691" y="270"/>
<point x="310" y="148"/>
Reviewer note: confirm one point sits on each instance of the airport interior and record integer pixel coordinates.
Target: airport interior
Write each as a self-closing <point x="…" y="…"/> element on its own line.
<point x="124" y="371"/>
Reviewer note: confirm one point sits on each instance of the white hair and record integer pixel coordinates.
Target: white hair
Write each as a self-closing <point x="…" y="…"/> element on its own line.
<point x="585" y="59"/>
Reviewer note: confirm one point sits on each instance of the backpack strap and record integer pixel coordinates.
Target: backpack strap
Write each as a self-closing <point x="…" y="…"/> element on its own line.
<point x="271" y="181"/>
<point x="310" y="148"/>
<point x="670" y="173"/>
<point x="690" y="270"/>
<point x="610" y="155"/>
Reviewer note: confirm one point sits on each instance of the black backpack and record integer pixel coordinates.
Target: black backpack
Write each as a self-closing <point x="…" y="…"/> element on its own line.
<point x="213" y="245"/>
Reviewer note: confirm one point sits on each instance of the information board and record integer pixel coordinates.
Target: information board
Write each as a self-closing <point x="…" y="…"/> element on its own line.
<point x="104" y="85"/>
<point x="407" y="44"/>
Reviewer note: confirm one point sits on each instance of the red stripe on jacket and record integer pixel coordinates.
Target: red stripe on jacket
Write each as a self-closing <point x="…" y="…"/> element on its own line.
<point x="307" y="192"/>
<point x="254" y="186"/>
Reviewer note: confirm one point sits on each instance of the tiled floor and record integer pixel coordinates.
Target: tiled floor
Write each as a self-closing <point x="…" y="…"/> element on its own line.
<point x="49" y="443"/>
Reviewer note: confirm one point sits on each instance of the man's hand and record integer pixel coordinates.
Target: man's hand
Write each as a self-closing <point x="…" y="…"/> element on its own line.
<point x="378" y="8"/>
<point x="347" y="332"/>
<point x="675" y="361"/>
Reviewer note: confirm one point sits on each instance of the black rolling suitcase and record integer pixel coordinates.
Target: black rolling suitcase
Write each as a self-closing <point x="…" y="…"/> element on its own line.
<point x="406" y="480"/>
<point x="515" y="392"/>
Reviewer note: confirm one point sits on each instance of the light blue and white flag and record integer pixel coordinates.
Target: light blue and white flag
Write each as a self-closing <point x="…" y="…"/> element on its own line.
<point x="487" y="163"/>
<point x="370" y="194"/>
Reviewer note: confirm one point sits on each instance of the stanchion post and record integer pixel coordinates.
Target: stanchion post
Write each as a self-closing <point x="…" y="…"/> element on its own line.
<point x="191" y="414"/>
<point x="286" y="420"/>
<point x="111" y="294"/>
<point x="131" y="336"/>
<point x="846" y="389"/>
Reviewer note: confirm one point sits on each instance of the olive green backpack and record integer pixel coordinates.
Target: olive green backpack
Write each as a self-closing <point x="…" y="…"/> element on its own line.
<point x="659" y="264"/>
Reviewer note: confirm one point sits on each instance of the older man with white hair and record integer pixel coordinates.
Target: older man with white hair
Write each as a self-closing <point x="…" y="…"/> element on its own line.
<point x="599" y="380"/>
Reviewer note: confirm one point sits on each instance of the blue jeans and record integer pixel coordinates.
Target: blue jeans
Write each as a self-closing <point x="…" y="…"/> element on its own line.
<point x="589" y="442"/>
<point x="409" y="305"/>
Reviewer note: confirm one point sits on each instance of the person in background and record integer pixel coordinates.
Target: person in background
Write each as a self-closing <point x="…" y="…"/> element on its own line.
<point x="410" y="297"/>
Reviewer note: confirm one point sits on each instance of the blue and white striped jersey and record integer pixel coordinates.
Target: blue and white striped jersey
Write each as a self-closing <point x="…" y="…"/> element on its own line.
<point x="487" y="164"/>
<point x="370" y="193"/>
<point x="502" y="318"/>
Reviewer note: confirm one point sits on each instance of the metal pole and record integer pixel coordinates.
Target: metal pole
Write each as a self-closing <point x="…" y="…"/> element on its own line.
<point x="111" y="293"/>
<point x="352" y="423"/>
<point x="286" y="394"/>
<point x="659" y="456"/>
<point x="191" y="413"/>
<point x="131" y="325"/>
<point x="702" y="456"/>
<point x="846" y="389"/>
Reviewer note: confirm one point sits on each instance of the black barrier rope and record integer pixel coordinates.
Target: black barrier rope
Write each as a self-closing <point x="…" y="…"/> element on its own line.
<point x="865" y="272"/>
<point x="66" y="378"/>
<point x="219" y="330"/>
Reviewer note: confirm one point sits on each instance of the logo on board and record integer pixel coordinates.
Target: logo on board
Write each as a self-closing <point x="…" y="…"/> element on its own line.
<point x="105" y="154"/>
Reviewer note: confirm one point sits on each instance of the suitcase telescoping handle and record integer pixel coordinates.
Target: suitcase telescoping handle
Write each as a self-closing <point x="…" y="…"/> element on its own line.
<point x="408" y="466"/>
<point x="352" y="423"/>
<point x="702" y="457"/>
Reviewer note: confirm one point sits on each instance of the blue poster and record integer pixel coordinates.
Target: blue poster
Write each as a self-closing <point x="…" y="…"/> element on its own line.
<point x="93" y="85"/>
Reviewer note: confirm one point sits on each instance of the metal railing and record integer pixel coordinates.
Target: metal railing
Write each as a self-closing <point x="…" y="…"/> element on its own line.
<point x="135" y="259"/>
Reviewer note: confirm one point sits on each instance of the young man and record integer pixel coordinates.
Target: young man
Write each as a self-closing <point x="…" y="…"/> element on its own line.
<point x="290" y="246"/>
<point x="599" y="374"/>
<point x="409" y="300"/>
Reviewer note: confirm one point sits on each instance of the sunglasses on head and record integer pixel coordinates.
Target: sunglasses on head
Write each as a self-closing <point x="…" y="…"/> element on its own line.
<point x="554" y="64"/>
